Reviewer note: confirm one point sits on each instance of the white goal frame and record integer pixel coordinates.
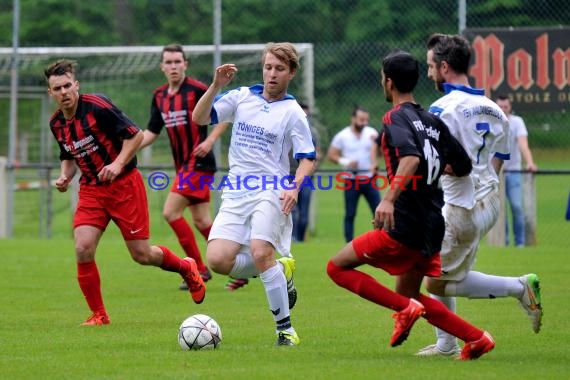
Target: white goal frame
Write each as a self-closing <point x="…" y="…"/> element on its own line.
<point x="26" y="54"/>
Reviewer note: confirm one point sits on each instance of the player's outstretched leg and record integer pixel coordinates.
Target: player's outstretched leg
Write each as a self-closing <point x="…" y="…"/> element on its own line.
<point x="531" y="300"/>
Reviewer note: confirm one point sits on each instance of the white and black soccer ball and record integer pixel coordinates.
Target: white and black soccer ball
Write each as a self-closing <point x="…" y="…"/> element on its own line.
<point x="199" y="332"/>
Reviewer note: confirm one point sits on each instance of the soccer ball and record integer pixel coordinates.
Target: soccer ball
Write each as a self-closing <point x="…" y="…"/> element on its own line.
<point x="199" y="332"/>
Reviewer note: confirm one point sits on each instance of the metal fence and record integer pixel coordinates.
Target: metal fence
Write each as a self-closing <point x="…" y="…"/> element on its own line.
<point x="355" y="35"/>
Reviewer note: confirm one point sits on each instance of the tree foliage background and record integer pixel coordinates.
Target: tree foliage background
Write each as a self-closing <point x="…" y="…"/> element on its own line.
<point x="350" y="37"/>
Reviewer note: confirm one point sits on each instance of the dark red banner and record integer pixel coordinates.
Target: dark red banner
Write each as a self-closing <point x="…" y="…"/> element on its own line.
<point x="530" y="65"/>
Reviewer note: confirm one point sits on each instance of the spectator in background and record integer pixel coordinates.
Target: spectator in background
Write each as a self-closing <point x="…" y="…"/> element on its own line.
<point x="171" y="108"/>
<point x="99" y="139"/>
<point x="301" y="210"/>
<point x="512" y="170"/>
<point x="352" y="148"/>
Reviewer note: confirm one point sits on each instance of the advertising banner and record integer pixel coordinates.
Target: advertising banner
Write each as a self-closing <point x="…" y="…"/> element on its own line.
<point x="530" y="65"/>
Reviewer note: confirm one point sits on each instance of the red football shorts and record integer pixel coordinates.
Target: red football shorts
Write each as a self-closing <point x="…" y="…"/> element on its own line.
<point x="123" y="201"/>
<point x="194" y="186"/>
<point x="378" y="249"/>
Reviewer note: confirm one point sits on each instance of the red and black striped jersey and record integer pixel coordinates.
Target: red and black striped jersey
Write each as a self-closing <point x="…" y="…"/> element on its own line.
<point x="174" y="111"/>
<point x="409" y="130"/>
<point x="94" y="136"/>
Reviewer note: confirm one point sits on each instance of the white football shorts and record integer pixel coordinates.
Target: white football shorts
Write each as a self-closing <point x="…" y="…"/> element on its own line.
<point x="254" y="216"/>
<point x="464" y="229"/>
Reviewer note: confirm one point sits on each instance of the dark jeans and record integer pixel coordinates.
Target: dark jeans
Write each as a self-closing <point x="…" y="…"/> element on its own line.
<point x="301" y="213"/>
<point x="351" y="197"/>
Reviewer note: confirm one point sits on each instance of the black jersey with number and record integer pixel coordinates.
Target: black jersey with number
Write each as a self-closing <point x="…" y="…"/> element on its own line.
<point x="409" y="130"/>
<point x="94" y="136"/>
<point x="174" y="111"/>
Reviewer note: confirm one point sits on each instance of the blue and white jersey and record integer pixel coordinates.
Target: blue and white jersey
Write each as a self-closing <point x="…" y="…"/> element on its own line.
<point x="263" y="133"/>
<point x="482" y="128"/>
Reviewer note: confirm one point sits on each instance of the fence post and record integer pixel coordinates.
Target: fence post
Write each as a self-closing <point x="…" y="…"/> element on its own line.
<point x="529" y="207"/>
<point x="3" y="198"/>
<point x="496" y="235"/>
<point x="313" y="210"/>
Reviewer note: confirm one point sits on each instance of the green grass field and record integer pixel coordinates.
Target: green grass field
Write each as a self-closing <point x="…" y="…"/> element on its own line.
<point x="342" y="336"/>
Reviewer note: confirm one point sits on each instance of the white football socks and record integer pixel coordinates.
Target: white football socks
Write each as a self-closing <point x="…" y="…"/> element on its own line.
<point x="275" y="284"/>
<point x="445" y="341"/>
<point x="481" y="285"/>
<point x="244" y="266"/>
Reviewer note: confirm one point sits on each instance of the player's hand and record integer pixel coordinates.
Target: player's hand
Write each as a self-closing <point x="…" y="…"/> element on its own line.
<point x="532" y="167"/>
<point x="110" y="172"/>
<point x="384" y="216"/>
<point x="203" y="149"/>
<point x="224" y="74"/>
<point x="448" y="170"/>
<point x="353" y="165"/>
<point x="62" y="183"/>
<point x="289" y="200"/>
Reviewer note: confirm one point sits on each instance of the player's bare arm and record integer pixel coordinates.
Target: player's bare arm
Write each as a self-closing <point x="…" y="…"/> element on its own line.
<point x="148" y="139"/>
<point x="128" y="150"/>
<point x="222" y="77"/>
<point x="68" y="169"/>
<point x="527" y="155"/>
<point x="335" y="155"/>
<point x="384" y="214"/>
<point x="374" y="157"/>
<point x="289" y="197"/>
<point x="497" y="164"/>
<point x="206" y="146"/>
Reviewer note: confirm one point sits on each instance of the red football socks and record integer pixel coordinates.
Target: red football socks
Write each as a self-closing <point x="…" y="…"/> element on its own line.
<point x="440" y="316"/>
<point x="366" y="287"/>
<point x="206" y="232"/>
<point x="188" y="241"/>
<point x="90" y="284"/>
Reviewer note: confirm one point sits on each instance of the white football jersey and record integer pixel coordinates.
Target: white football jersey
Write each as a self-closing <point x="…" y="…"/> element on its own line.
<point x="483" y="130"/>
<point x="263" y="133"/>
<point x="517" y="128"/>
<point x="357" y="148"/>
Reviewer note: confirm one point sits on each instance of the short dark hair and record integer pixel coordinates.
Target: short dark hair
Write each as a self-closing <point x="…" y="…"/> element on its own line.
<point x="403" y="69"/>
<point x="357" y="108"/>
<point x="173" y="48"/>
<point x="503" y="97"/>
<point x="453" y="49"/>
<point x="60" y="67"/>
